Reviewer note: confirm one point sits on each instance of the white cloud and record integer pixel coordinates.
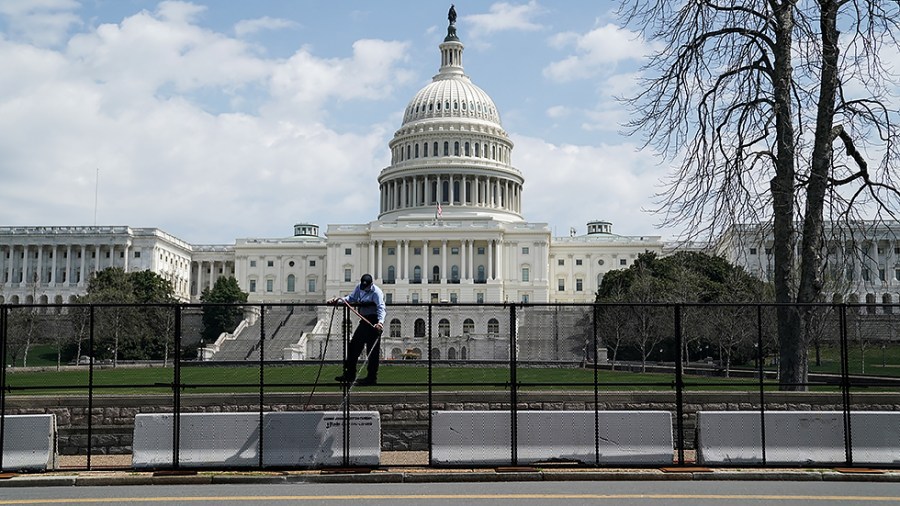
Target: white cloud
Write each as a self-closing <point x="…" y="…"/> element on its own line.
<point x="250" y="26"/>
<point x="611" y="182"/>
<point x="503" y="16"/>
<point x="596" y="52"/>
<point x="41" y="22"/>
<point x="558" y="111"/>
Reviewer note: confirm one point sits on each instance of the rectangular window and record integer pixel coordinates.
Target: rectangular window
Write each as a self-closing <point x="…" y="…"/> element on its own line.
<point x="849" y="273"/>
<point x="525" y="274"/>
<point x="752" y="251"/>
<point x="388" y="298"/>
<point x="881" y="274"/>
<point x="435" y="251"/>
<point x="415" y="298"/>
<point x="454" y="250"/>
<point x="525" y="298"/>
<point x="348" y="251"/>
<point x="417" y="251"/>
<point x="525" y="250"/>
<point x="561" y="261"/>
<point x="577" y="261"/>
<point x="481" y="250"/>
<point x="768" y="251"/>
<point x="312" y="263"/>
<point x="392" y="252"/>
<point x="578" y="285"/>
<point x="453" y="297"/>
<point x="622" y="261"/>
<point x="311" y="285"/>
<point x="270" y="263"/>
<point x="252" y="263"/>
<point x="897" y="251"/>
<point x="561" y="286"/>
<point x="347" y="276"/>
<point x="252" y="285"/>
<point x="479" y="297"/>
<point x="897" y="274"/>
<point x="865" y="274"/>
<point x="434" y="298"/>
<point x="269" y="285"/>
<point x="137" y="254"/>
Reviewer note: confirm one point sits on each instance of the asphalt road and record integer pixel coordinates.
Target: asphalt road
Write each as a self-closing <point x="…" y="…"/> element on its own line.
<point x="563" y="493"/>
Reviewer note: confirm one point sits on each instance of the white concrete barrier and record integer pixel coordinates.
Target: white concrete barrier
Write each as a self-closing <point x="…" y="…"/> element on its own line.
<point x="483" y="437"/>
<point x="29" y="442"/>
<point x="312" y="438"/>
<point x="797" y="437"/>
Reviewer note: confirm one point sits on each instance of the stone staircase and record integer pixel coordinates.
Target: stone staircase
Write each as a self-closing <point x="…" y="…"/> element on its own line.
<point x="284" y="327"/>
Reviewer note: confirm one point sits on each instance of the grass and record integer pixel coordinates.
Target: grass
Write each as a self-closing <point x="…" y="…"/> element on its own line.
<point x="301" y="378"/>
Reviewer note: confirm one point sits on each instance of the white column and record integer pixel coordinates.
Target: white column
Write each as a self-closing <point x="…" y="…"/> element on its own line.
<point x="68" y="280"/>
<point x="81" y="275"/>
<point x="406" y="259"/>
<point x="380" y="262"/>
<point x="40" y="266"/>
<point x="127" y="247"/>
<point x="490" y="259"/>
<point x="462" y="189"/>
<point x="426" y="274"/>
<point x="371" y="255"/>
<point x="53" y="254"/>
<point x="472" y="258"/>
<point x="10" y="263"/>
<point x="96" y="258"/>
<point x="443" y="261"/>
<point x="452" y="196"/>
<point x="500" y="250"/>
<point x="462" y="260"/>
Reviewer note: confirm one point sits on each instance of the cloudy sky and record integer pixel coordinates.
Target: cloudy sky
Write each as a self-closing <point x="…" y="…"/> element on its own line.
<point x="216" y="120"/>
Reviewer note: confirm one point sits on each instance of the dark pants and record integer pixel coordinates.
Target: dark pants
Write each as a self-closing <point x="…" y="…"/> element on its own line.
<point x="366" y="336"/>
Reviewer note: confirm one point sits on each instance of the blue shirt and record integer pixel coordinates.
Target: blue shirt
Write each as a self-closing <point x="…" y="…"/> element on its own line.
<point x="373" y="295"/>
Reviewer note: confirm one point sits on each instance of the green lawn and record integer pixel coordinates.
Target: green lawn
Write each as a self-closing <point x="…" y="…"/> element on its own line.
<point x="301" y="378"/>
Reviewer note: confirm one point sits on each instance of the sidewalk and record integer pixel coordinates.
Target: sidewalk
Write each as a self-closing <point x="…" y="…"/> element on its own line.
<point x="411" y="467"/>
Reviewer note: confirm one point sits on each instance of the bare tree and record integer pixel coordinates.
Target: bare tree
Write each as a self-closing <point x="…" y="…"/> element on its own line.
<point x="751" y="97"/>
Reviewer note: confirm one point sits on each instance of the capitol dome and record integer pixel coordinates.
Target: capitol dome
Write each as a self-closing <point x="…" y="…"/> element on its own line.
<point x="451" y="158"/>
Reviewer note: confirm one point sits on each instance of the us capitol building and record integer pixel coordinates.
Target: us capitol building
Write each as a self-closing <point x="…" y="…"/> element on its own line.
<point x="450" y="228"/>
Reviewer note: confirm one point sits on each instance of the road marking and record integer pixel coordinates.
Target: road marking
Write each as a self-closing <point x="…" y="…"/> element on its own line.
<point x="419" y="497"/>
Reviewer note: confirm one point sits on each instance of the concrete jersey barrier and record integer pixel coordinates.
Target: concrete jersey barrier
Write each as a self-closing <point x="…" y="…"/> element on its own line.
<point x="29" y="442"/>
<point x="483" y="437"/>
<point x="797" y="437"/>
<point x="216" y="440"/>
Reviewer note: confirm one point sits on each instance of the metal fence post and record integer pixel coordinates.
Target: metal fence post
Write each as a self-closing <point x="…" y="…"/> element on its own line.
<point x="845" y="385"/>
<point x="762" y="391"/>
<point x="3" y="334"/>
<point x="430" y="392"/>
<point x="176" y="394"/>
<point x="262" y="378"/>
<point x="679" y="386"/>
<point x="90" y="410"/>
<point x="594" y="309"/>
<point x="513" y="390"/>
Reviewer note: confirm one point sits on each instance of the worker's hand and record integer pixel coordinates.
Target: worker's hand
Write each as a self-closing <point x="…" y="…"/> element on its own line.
<point x="331" y="301"/>
<point x="379" y="327"/>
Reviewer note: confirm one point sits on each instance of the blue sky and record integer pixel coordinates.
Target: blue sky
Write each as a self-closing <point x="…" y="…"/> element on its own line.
<point x="216" y="120"/>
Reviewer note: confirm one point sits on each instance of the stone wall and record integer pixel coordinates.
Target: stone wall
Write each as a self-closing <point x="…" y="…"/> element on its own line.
<point x="404" y="417"/>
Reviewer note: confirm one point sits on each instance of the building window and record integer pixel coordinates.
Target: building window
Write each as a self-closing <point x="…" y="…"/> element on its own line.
<point x="252" y="285"/>
<point x="525" y="274"/>
<point x="578" y="285"/>
<point x="417" y="274"/>
<point x="453" y="297"/>
<point x="881" y="274"/>
<point x="865" y="274"/>
<point x="291" y="282"/>
<point x="311" y="285"/>
<point x="768" y="251"/>
<point x="348" y="251"/>
<point x="493" y="327"/>
<point x="270" y="263"/>
<point x="347" y="275"/>
<point x="419" y="328"/>
<point x="415" y="297"/>
<point x="395" y="328"/>
<point x="137" y="254"/>
<point x="897" y="274"/>
<point x="561" y="286"/>
<point x="291" y="263"/>
<point x="479" y="297"/>
<point x="468" y="326"/>
<point x="435" y="251"/>
<point x="622" y="261"/>
<point x="525" y="250"/>
<point x="269" y="285"/>
<point x="481" y="250"/>
<point x="312" y="263"/>
<point x="752" y="251"/>
<point x="391" y="252"/>
<point x="388" y="298"/>
<point x="417" y="251"/>
<point x="454" y="250"/>
<point x="561" y="261"/>
<point x="525" y="298"/>
<point x="391" y="274"/>
<point x="480" y="276"/>
<point x="252" y="263"/>
<point x="577" y="261"/>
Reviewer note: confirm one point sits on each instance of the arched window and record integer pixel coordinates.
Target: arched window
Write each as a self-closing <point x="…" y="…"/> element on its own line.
<point x="446" y="148"/>
<point x="480" y="276"/>
<point x="455" y="105"/>
<point x="417" y="150"/>
<point x="435" y="274"/>
<point x="887" y="301"/>
<point x="462" y="353"/>
<point x="456" y="193"/>
<point x="425" y="149"/>
<point x="493" y="152"/>
<point x="476" y="150"/>
<point x="391" y="274"/>
<point x="456" y="148"/>
<point x="445" y="191"/>
<point x="435" y="148"/>
<point x="454" y="273"/>
<point x="870" y="303"/>
<point x="291" y="283"/>
<point x="493" y="327"/>
<point x="417" y="274"/>
<point x="396" y="353"/>
<point x="435" y="354"/>
<point x="468" y="326"/>
<point x="395" y="328"/>
<point x="451" y="353"/>
<point x="419" y="328"/>
<point x="407" y="152"/>
<point x="444" y="328"/>
<point x="599" y="280"/>
<point x="466" y="149"/>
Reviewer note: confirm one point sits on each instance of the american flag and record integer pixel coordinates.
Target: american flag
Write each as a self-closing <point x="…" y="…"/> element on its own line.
<point x="440" y="210"/>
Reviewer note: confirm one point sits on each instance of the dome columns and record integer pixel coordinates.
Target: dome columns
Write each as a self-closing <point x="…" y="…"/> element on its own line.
<point x="451" y="190"/>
